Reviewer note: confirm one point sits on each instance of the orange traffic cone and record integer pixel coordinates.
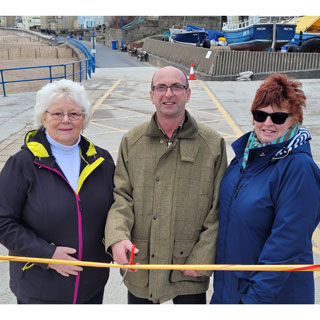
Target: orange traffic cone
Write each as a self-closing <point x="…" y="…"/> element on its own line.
<point x="191" y="75"/>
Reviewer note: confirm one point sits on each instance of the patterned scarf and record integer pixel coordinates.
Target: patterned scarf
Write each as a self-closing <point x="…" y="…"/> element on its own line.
<point x="299" y="135"/>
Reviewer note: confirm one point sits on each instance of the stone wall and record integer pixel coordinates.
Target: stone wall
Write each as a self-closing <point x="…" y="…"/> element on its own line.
<point x="111" y="35"/>
<point x="35" y="36"/>
<point x="24" y="46"/>
<point x="15" y="53"/>
<point x="180" y="55"/>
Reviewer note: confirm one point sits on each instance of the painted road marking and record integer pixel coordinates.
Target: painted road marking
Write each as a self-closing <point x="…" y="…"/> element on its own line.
<point x="104" y="97"/>
<point x="223" y="111"/>
<point x="94" y="121"/>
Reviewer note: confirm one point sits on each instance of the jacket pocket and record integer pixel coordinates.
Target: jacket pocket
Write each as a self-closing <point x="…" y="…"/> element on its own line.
<point x="181" y="252"/>
<point x="141" y="277"/>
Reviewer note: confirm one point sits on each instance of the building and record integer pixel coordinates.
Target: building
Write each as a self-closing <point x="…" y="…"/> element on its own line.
<point x="59" y="24"/>
<point x="86" y="22"/>
<point x="28" y="22"/>
<point x="8" y="21"/>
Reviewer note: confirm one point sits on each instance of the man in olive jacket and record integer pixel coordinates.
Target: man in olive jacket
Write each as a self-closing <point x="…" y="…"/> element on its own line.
<point x="167" y="182"/>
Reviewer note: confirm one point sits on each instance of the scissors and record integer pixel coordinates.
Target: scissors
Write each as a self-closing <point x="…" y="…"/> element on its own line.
<point x="130" y="262"/>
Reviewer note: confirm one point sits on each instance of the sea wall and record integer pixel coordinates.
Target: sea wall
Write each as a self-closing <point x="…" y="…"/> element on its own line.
<point x="219" y="63"/>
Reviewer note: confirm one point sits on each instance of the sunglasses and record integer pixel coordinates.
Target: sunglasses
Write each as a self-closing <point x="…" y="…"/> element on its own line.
<point x="276" y="117"/>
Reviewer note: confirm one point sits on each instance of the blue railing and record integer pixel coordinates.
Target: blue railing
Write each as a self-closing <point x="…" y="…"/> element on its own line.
<point x="133" y="22"/>
<point x="85" y="51"/>
<point x="51" y="77"/>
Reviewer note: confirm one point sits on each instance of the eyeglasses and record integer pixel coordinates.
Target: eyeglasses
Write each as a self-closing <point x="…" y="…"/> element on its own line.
<point x="276" y="117"/>
<point x="73" y="116"/>
<point x="175" y="88"/>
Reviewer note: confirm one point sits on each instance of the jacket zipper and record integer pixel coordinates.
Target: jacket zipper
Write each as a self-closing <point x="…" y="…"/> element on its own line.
<point x="75" y="295"/>
<point x="237" y="189"/>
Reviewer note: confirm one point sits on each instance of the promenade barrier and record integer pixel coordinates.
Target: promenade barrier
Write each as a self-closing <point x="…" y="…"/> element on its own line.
<point x="214" y="267"/>
<point x="84" y="66"/>
<point x="79" y="45"/>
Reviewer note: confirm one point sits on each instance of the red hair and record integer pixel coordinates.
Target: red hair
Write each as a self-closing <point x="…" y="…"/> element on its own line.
<point x="279" y="91"/>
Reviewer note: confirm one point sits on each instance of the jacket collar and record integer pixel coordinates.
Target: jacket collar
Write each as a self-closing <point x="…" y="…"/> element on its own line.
<point x="37" y="143"/>
<point x="189" y="129"/>
<point x="265" y="153"/>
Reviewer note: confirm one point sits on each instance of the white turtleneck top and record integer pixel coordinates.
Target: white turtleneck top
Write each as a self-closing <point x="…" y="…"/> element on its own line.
<point x="68" y="159"/>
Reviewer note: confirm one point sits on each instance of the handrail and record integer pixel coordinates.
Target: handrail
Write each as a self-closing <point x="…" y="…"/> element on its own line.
<point x="234" y="26"/>
<point x="51" y="77"/>
<point x="133" y="22"/>
<point x="84" y="50"/>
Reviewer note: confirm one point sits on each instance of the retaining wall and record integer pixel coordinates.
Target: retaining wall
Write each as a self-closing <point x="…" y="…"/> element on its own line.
<point x="36" y="36"/>
<point x="35" y="53"/>
<point x="227" y="64"/>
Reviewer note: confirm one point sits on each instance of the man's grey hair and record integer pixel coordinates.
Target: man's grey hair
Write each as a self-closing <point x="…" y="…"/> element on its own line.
<point x="57" y="90"/>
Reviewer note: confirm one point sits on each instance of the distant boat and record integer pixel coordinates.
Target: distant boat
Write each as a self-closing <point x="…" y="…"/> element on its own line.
<point x="255" y="36"/>
<point x="190" y="37"/>
<point x="212" y="34"/>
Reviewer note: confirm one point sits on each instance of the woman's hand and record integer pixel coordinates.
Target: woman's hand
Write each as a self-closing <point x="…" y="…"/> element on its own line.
<point x="63" y="253"/>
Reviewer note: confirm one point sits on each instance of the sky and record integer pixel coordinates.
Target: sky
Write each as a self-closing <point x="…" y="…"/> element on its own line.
<point x="160" y="7"/>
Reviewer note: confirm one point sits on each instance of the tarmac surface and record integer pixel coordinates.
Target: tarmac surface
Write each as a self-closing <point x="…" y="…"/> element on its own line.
<point x="120" y="99"/>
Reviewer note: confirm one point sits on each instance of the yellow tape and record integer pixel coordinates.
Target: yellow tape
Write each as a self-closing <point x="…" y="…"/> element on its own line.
<point x="213" y="267"/>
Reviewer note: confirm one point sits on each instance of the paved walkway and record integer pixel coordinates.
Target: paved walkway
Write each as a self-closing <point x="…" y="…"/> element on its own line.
<point x="120" y="99"/>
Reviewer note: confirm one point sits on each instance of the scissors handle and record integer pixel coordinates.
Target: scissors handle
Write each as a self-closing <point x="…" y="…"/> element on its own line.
<point x="131" y="256"/>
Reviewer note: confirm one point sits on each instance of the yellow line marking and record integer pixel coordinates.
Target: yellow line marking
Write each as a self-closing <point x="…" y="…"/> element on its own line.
<point x="227" y="135"/>
<point x="127" y="110"/>
<point x="105" y="132"/>
<point x="104" y="97"/>
<point x="214" y="113"/>
<point x="209" y="121"/>
<point x="225" y="114"/>
<point x="118" y="118"/>
<point x="144" y="98"/>
<point x="200" y="99"/>
<point x="108" y="127"/>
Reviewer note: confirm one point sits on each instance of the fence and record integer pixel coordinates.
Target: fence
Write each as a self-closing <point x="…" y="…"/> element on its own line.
<point x="83" y="66"/>
<point x="234" y="62"/>
<point x="84" y="49"/>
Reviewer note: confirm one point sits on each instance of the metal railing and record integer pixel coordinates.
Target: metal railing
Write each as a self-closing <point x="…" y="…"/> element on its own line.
<point x="81" y="69"/>
<point x="239" y="25"/>
<point x="233" y="62"/>
<point x="130" y="24"/>
<point x="85" y="51"/>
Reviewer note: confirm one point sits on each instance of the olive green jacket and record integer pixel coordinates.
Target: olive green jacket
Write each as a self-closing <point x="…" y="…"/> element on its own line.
<point x="166" y="203"/>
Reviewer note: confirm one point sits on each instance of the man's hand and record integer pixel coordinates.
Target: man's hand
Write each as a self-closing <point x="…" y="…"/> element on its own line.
<point x="63" y="253"/>
<point x="120" y="249"/>
<point x="192" y="273"/>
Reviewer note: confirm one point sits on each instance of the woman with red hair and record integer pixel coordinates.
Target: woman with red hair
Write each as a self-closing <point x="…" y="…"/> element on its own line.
<point x="269" y="203"/>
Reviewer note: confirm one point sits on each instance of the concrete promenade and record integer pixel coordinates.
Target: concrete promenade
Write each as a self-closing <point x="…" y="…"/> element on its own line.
<point x="120" y="99"/>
